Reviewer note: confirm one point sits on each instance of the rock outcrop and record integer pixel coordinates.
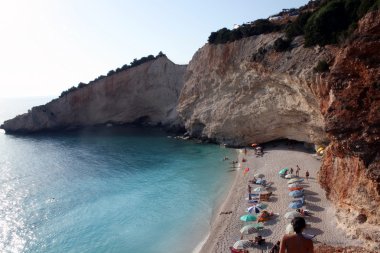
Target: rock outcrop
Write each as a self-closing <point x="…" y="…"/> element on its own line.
<point x="350" y="104"/>
<point x="245" y="92"/>
<point x="145" y="94"/>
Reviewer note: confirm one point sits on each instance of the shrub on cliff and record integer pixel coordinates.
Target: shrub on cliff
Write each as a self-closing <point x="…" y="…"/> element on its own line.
<point x="134" y="63"/>
<point x="335" y="20"/>
<point x="260" y="26"/>
<point x="322" y="66"/>
<point x="297" y="27"/>
<point x="281" y="45"/>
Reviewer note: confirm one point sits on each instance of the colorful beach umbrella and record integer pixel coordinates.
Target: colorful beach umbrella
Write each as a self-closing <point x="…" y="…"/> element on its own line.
<point x="248" y="217"/>
<point x="249" y="229"/>
<point x="259" y="225"/>
<point x="246" y="170"/>
<point x="294" y="185"/>
<point x="243" y="244"/>
<point x="253" y="209"/>
<point x="296" y="194"/>
<point x="282" y="172"/>
<point x="259" y="175"/>
<point x="292" y="215"/>
<point x="295" y="180"/>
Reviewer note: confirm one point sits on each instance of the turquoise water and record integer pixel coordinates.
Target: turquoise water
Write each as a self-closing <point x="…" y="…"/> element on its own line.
<point x="107" y="190"/>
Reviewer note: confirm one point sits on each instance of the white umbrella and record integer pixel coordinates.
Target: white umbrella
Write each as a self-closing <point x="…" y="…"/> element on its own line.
<point x="258" y="189"/>
<point x="243" y="244"/>
<point x="259" y="175"/>
<point x="290" y="176"/>
<point x="289" y="229"/>
<point x="249" y="229"/>
<point x="292" y="214"/>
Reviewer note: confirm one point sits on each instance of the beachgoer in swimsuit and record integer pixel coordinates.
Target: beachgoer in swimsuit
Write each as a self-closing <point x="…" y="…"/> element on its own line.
<point x="297" y="243"/>
<point x="307" y="175"/>
<point x="298" y="170"/>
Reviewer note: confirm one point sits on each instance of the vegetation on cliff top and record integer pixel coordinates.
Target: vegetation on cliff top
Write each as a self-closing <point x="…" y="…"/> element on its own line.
<point x="134" y="63"/>
<point x="321" y="22"/>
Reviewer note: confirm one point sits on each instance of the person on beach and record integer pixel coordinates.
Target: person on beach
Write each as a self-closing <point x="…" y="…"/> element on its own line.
<point x="249" y="192"/>
<point x="291" y="170"/>
<point x="245" y="151"/>
<point x="298" y="170"/>
<point x="307" y="175"/>
<point x="296" y="243"/>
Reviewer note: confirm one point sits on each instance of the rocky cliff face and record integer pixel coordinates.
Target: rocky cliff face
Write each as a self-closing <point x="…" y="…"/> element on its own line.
<point x="245" y="92"/>
<point x="147" y="94"/>
<point x="350" y="104"/>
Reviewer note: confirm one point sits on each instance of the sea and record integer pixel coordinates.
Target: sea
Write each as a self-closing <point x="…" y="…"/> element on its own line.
<point x="106" y="189"/>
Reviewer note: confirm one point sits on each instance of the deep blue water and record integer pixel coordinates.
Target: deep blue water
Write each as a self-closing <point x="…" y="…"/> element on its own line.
<point x="107" y="190"/>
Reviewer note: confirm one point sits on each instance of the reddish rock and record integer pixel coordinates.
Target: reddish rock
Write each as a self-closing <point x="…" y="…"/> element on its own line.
<point x="350" y="104"/>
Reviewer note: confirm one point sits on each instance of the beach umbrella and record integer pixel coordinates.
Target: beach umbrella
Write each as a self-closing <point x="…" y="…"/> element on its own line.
<point x="294" y="185"/>
<point x="259" y="225"/>
<point x="295" y="180"/>
<point x="289" y="176"/>
<point x="282" y="172"/>
<point x="295" y="189"/>
<point x="296" y="204"/>
<point x="289" y="229"/>
<point x="249" y="229"/>
<point x="296" y="194"/>
<point x="253" y="209"/>
<point x="243" y="244"/>
<point x="292" y="215"/>
<point x="262" y="205"/>
<point x="259" y="175"/>
<point x="258" y="189"/>
<point x="245" y="171"/>
<point x="248" y="217"/>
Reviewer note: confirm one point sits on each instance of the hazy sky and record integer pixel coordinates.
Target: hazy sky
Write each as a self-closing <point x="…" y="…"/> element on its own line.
<point x="47" y="46"/>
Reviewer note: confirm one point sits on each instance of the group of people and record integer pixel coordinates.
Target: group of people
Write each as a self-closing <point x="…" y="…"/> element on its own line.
<point x="307" y="174"/>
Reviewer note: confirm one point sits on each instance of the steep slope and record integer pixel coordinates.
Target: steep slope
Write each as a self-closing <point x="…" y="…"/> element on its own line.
<point x="350" y="103"/>
<point x="147" y="94"/>
<point x="245" y="92"/>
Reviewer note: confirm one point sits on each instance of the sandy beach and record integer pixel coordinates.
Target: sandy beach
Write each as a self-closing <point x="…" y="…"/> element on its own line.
<point x="225" y="227"/>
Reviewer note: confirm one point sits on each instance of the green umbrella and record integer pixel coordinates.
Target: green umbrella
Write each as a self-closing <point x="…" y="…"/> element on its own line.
<point x="281" y="172"/>
<point x="248" y="217"/>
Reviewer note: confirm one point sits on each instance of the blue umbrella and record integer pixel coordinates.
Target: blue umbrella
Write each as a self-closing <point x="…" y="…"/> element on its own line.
<point x="296" y="205"/>
<point x="296" y="194"/>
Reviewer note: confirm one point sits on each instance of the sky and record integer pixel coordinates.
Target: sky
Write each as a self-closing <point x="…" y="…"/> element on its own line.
<point x="48" y="46"/>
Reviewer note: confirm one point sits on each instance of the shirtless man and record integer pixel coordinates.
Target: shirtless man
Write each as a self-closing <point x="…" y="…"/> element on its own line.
<point x="296" y="243"/>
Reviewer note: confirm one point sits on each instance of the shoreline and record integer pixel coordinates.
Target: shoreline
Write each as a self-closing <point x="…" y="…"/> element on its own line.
<point x="222" y="203"/>
<point x="224" y="228"/>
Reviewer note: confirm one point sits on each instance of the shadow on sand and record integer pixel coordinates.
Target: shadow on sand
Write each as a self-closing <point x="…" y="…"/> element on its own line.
<point x="265" y="232"/>
<point x="313" y="219"/>
<point x="312" y="199"/>
<point x="310" y="193"/>
<point x="314" y="208"/>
